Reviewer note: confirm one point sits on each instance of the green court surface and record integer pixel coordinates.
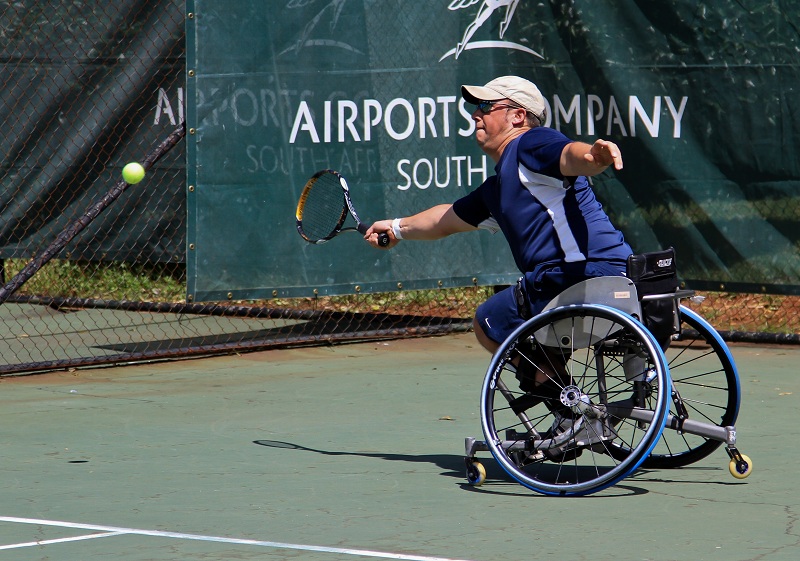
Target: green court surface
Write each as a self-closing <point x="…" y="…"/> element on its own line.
<point x="356" y="452"/>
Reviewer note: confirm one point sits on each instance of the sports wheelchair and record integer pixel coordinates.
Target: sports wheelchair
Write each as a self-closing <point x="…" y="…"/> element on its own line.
<point x="613" y="375"/>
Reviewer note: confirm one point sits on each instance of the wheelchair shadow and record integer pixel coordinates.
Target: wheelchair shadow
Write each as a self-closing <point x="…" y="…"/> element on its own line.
<point x="656" y="476"/>
<point x="495" y="486"/>
<point x="498" y="483"/>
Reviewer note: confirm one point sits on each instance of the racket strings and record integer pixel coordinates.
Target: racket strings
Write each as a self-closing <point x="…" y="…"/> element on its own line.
<point x="323" y="207"/>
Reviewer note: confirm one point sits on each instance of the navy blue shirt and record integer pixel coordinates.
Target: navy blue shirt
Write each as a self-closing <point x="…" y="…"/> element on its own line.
<point x="548" y="219"/>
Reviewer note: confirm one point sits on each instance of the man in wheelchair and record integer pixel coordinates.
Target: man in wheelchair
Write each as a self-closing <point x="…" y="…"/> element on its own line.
<point x="589" y="430"/>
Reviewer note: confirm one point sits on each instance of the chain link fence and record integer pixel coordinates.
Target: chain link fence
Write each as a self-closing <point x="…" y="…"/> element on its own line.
<point x="90" y="86"/>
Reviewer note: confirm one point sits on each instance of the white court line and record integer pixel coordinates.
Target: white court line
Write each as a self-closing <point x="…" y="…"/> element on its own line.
<point x="113" y="530"/>
<point x="62" y="540"/>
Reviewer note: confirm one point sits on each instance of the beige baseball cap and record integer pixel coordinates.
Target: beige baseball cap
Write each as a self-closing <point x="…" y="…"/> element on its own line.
<point x="519" y="90"/>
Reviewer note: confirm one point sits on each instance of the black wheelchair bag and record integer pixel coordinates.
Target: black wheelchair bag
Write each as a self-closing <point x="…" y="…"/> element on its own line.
<point x="656" y="273"/>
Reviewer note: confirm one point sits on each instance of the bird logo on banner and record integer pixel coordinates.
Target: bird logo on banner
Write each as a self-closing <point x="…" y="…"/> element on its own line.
<point x="485" y="11"/>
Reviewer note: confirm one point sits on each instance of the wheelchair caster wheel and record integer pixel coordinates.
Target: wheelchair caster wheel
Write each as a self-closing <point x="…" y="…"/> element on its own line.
<point x="476" y="473"/>
<point x="742" y="468"/>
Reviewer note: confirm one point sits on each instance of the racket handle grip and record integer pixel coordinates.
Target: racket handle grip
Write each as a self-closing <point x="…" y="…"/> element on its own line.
<point x="383" y="238"/>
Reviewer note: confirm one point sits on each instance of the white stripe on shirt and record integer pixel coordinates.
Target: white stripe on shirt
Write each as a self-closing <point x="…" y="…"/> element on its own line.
<point x="550" y="192"/>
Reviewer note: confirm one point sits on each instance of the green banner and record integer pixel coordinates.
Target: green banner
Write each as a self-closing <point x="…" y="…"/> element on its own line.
<point x="701" y="97"/>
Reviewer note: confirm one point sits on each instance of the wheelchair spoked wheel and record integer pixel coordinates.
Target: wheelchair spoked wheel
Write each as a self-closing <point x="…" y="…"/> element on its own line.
<point x="603" y="373"/>
<point x="704" y="376"/>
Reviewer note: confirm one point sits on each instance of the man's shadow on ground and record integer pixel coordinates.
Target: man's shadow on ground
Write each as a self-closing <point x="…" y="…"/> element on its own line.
<point x="454" y="466"/>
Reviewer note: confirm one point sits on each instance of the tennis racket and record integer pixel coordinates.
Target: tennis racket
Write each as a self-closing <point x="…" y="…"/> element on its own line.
<point x="324" y="206"/>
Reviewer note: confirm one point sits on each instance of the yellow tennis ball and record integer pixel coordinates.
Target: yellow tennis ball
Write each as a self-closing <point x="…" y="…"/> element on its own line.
<point x="133" y="173"/>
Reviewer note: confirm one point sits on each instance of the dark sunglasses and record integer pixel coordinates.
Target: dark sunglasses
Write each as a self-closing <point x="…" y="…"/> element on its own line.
<point x="487" y="107"/>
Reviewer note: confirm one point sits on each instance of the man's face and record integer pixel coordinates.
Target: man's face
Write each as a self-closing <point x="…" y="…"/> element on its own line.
<point x="494" y="124"/>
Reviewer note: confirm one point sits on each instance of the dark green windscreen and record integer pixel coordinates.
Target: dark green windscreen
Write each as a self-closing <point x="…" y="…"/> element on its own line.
<point x="701" y="97"/>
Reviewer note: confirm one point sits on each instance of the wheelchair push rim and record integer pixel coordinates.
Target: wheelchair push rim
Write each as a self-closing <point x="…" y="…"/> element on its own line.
<point x="560" y="445"/>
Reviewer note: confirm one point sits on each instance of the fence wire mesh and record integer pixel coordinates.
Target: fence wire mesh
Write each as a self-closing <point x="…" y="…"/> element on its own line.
<point x="90" y="86"/>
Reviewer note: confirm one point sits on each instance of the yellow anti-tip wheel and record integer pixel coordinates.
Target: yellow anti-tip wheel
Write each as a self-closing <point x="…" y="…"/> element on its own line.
<point x="741" y="469"/>
<point x="476" y="473"/>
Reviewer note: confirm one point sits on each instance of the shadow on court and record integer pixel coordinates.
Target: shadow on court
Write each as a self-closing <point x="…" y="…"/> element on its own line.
<point x="355" y="452"/>
<point x="454" y="465"/>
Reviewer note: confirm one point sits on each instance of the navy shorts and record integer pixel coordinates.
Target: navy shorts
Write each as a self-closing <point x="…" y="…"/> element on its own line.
<point x="499" y="316"/>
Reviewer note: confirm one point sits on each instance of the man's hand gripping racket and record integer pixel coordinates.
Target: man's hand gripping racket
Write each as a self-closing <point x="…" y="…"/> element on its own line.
<point x="323" y="209"/>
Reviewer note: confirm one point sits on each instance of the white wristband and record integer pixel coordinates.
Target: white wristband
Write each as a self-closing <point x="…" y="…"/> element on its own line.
<point x="396" y="229"/>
